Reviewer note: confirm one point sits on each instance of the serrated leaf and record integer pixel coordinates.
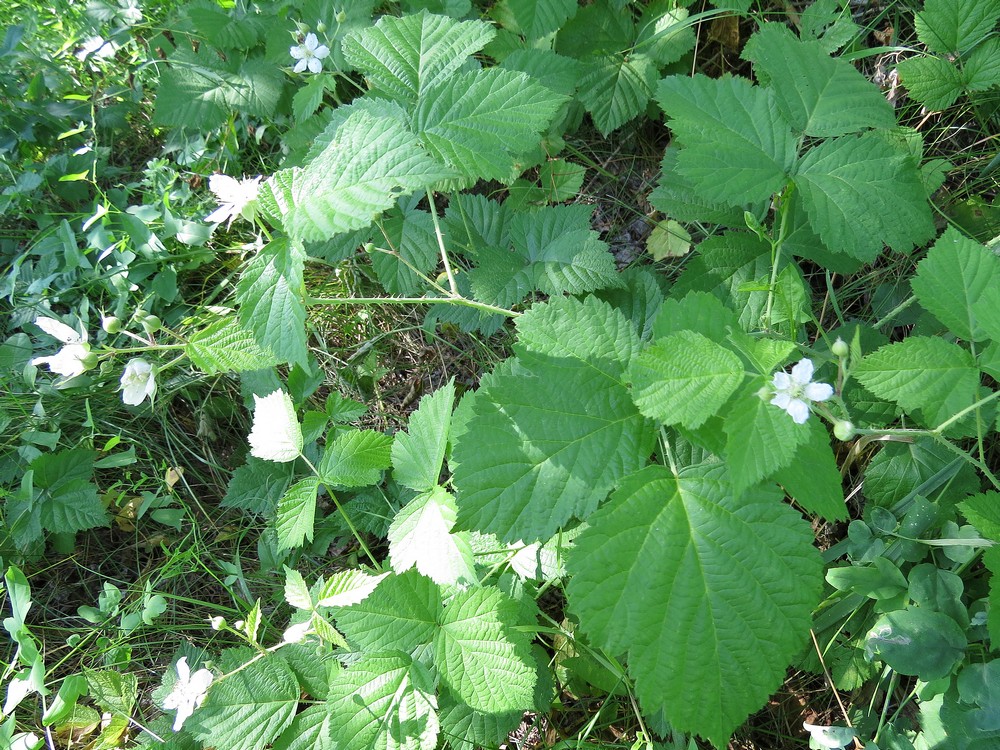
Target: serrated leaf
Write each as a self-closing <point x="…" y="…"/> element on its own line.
<point x="699" y="312"/>
<point x="410" y="238"/>
<point x="982" y="69"/>
<point x="296" y="591"/>
<point x="813" y="479"/>
<point x="951" y="26"/>
<point x="676" y="197"/>
<point x="401" y="617"/>
<point x="226" y="346"/>
<point x="684" y="379"/>
<point x="479" y="122"/>
<point x="665" y="32"/>
<point x="420" y="536"/>
<point x="548" y="442"/>
<point x="932" y="81"/>
<point x="467" y="729"/>
<point x="355" y="458"/>
<point x="270" y="299"/>
<point x="484" y="662"/>
<point x="251" y="707"/>
<point x="555" y="71"/>
<point x="616" y="88"/>
<point x="561" y="179"/>
<point x="296" y="514"/>
<point x="861" y="193"/>
<point x="818" y="95"/>
<point x="734" y="150"/>
<point x="951" y="281"/>
<point x="384" y="702"/>
<point x="760" y="438"/>
<point x="257" y="486"/>
<point x="710" y="592"/>
<point x="348" y="587"/>
<point x="418" y="453"/>
<point x="370" y="162"/>
<point x="983" y="512"/>
<point x="921" y="372"/>
<point x="533" y="19"/>
<point x="403" y="57"/>
<point x="310" y="730"/>
<point x="65" y="497"/>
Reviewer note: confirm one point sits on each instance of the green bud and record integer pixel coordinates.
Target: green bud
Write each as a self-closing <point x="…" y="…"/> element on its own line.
<point x="765" y="393"/>
<point x="151" y="324"/>
<point x="840" y="348"/>
<point x="111" y="324"/>
<point x="341" y="16"/>
<point x="89" y="360"/>
<point x="843" y="430"/>
<point x="320" y="28"/>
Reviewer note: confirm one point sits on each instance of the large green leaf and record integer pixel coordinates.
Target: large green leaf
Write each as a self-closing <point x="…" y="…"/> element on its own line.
<point x="418" y="453"/>
<point x="952" y="26"/>
<point x="734" y="149"/>
<point x="819" y="95"/>
<point x="355" y="458"/>
<point x="269" y="293"/>
<point x="467" y="729"/>
<point x="482" y="659"/>
<point x="533" y="19"/>
<point x="549" y="441"/>
<point x="400" y="615"/>
<point x="296" y="514"/>
<point x="616" y="88"/>
<point x="421" y="536"/>
<point x="403" y="57"/>
<point x="227" y="346"/>
<point x="951" y="281"/>
<point x="813" y="479"/>
<point x="413" y="252"/>
<point x="933" y="81"/>
<point x="309" y="730"/>
<point x="710" y="594"/>
<point x="65" y="497"/>
<point x="861" y="193"/>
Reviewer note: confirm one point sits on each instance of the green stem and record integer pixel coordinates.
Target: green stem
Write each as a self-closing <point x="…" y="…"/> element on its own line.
<point x="457" y="300"/>
<point x="347" y="518"/>
<point x="893" y="312"/>
<point x="972" y="407"/>
<point x="776" y="252"/>
<point x="440" y="240"/>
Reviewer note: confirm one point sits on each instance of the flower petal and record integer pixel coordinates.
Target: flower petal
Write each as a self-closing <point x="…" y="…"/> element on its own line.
<point x="322" y="51"/>
<point x="802" y="373"/>
<point x="818" y="391"/>
<point x="781" y="381"/>
<point x="297" y="52"/>
<point x="300" y="65"/>
<point x="311" y="42"/>
<point x="781" y="400"/>
<point x="60" y="330"/>
<point x="315" y="65"/>
<point x="799" y="410"/>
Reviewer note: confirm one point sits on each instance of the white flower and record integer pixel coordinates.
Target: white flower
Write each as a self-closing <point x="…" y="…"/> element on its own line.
<point x="794" y="392"/>
<point x="297" y="633"/>
<point x="833" y="738"/>
<point x="188" y="693"/>
<point x="235" y="197"/>
<point x="309" y="54"/>
<point x="58" y="329"/>
<point x="276" y="435"/>
<point x="74" y="358"/>
<point x="138" y="381"/>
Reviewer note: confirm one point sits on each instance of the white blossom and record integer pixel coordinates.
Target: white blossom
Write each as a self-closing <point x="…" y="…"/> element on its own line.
<point x="74" y="358"/>
<point x="831" y="738"/>
<point x="188" y="693"/>
<point x="309" y="54"/>
<point x="276" y="434"/>
<point x="794" y="392"/>
<point x="138" y="381"/>
<point x="297" y="633"/>
<point x="235" y="197"/>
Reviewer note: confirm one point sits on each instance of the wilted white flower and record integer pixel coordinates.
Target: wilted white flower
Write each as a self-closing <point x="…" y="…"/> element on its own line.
<point x="74" y="358"/>
<point x="794" y="392"/>
<point x="235" y="197"/>
<point x="138" y="381"/>
<point x="309" y="54"/>
<point x="188" y="693"/>
<point x="832" y="738"/>
<point x="276" y="434"/>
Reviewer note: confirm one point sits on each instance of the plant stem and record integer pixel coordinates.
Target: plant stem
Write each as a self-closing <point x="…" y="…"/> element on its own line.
<point x="440" y="240"/>
<point x="457" y="300"/>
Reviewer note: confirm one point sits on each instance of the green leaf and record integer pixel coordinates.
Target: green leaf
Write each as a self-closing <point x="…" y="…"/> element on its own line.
<point x="818" y="95"/>
<point x="932" y="81"/>
<point x="675" y="196"/>
<point x="66" y="498"/>
<point x="296" y="514"/>
<point x="760" y="438"/>
<point x="982" y="69"/>
<point x="249" y="708"/>
<point x="226" y="346"/>
<point x="699" y="312"/>
<point x="711" y="593"/>
<point x="401" y="615"/>
<point x="665" y="32"/>
<point x="308" y="98"/>
<point x="863" y="192"/>
<point x="418" y="453"/>
<point x="355" y="458"/>
<point x="616" y="88"/>
<point x="384" y="702"/>
<point x="482" y="659"/>
<point x="257" y="486"/>
<point x="921" y="467"/>
<point x="479" y="122"/>
<point x="951" y="280"/>
<point x="952" y="26"/>
<point x="467" y="729"/>
<point x="420" y="536"/>
<point x="813" y="479"/>
<point x="983" y="512"/>
<point x="684" y="379"/>
<point x="269" y="293"/>
<point x="930" y="374"/>
<point x="549" y="441"/>
<point x="312" y="729"/>
<point x="348" y="587"/>
<point x="369" y="163"/>
<point x="734" y="149"/>
<point x="404" y="57"/>
<point x="410" y="236"/>
<point x="917" y="642"/>
<point x="533" y="19"/>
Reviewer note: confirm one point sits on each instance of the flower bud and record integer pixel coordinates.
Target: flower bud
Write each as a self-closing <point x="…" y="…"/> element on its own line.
<point x="110" y="324"/>
<point x="151" y="324"/>
<point x="341" y="16"/>
<point x="89" y="361"/>
<point x="765" y="393"/>
<point x="320" y="28"/>
<point x="840" y="348"/>
<point x="218" y="623"/>
<point x="843" y="430"/>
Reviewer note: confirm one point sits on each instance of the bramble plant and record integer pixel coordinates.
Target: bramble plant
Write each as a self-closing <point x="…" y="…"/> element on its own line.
<point x="656" y="454"/>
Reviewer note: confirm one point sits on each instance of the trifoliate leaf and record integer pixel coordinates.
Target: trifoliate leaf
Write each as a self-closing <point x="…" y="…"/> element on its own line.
<point x="734" y="150"/>
<point x="862" y="193"/>
<point x="932" y="81"/>
<point x="403" y="57"/>
<point x="709" y="592"/>
<point x="355" y="458"/>
<point x="402" y="616"/>
<point x="684" y="379"/>
<point x="813" y="479"/>
<point x="921" y="372"/>
<point x="421" y="537"/>
<point x="385" y="701"/>
<point x="249" y="708"/>
<point x="65" y="499"/>
<point x="270" y="299"/>
<point x="616" y="88"/>
<point x="482" y="659"/>
<point x="296" y="514"/>
<point x="227" y="346"/>
<point x="548" y="442"/>
<point x="951" y="281"/>
<point x="418" y="453"/>
<point x="952" y="26"/>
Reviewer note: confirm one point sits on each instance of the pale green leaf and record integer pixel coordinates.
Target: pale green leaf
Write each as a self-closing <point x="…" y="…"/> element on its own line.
<point x="861" y="193"/>
<point x="921" y="372"/>
<point x="952" y="279"/>
<point x="533" y="19"/>
<point x="933" y="81"/>
<point x="684" y="379"/>
<point x="421" y="536"/>
<point x="270" y="295"/>
<point x="665" y="33"/>
<point x="403" y="57"/>
<point x="709" y="591"/>
<point x="813" y="479"/>
<point x="296" y="591"/>
<point x="248" y="709"/>
<point x="226" y="346"/>
<point x="348" y="587"/>
<point x="418" y="453"/>
<point x="401" y="616"/>
<point x="668" y="240"/>
<point x="355" y="458"/>
<point x="296" y="514"/>
<point x="734" y="150"/>
<point x="482" y="659"/>
<point x="818" y="95"/>
<point x="616" y="88"/>
<point x="548" y="68"/>
<point x="951" y="26"/>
